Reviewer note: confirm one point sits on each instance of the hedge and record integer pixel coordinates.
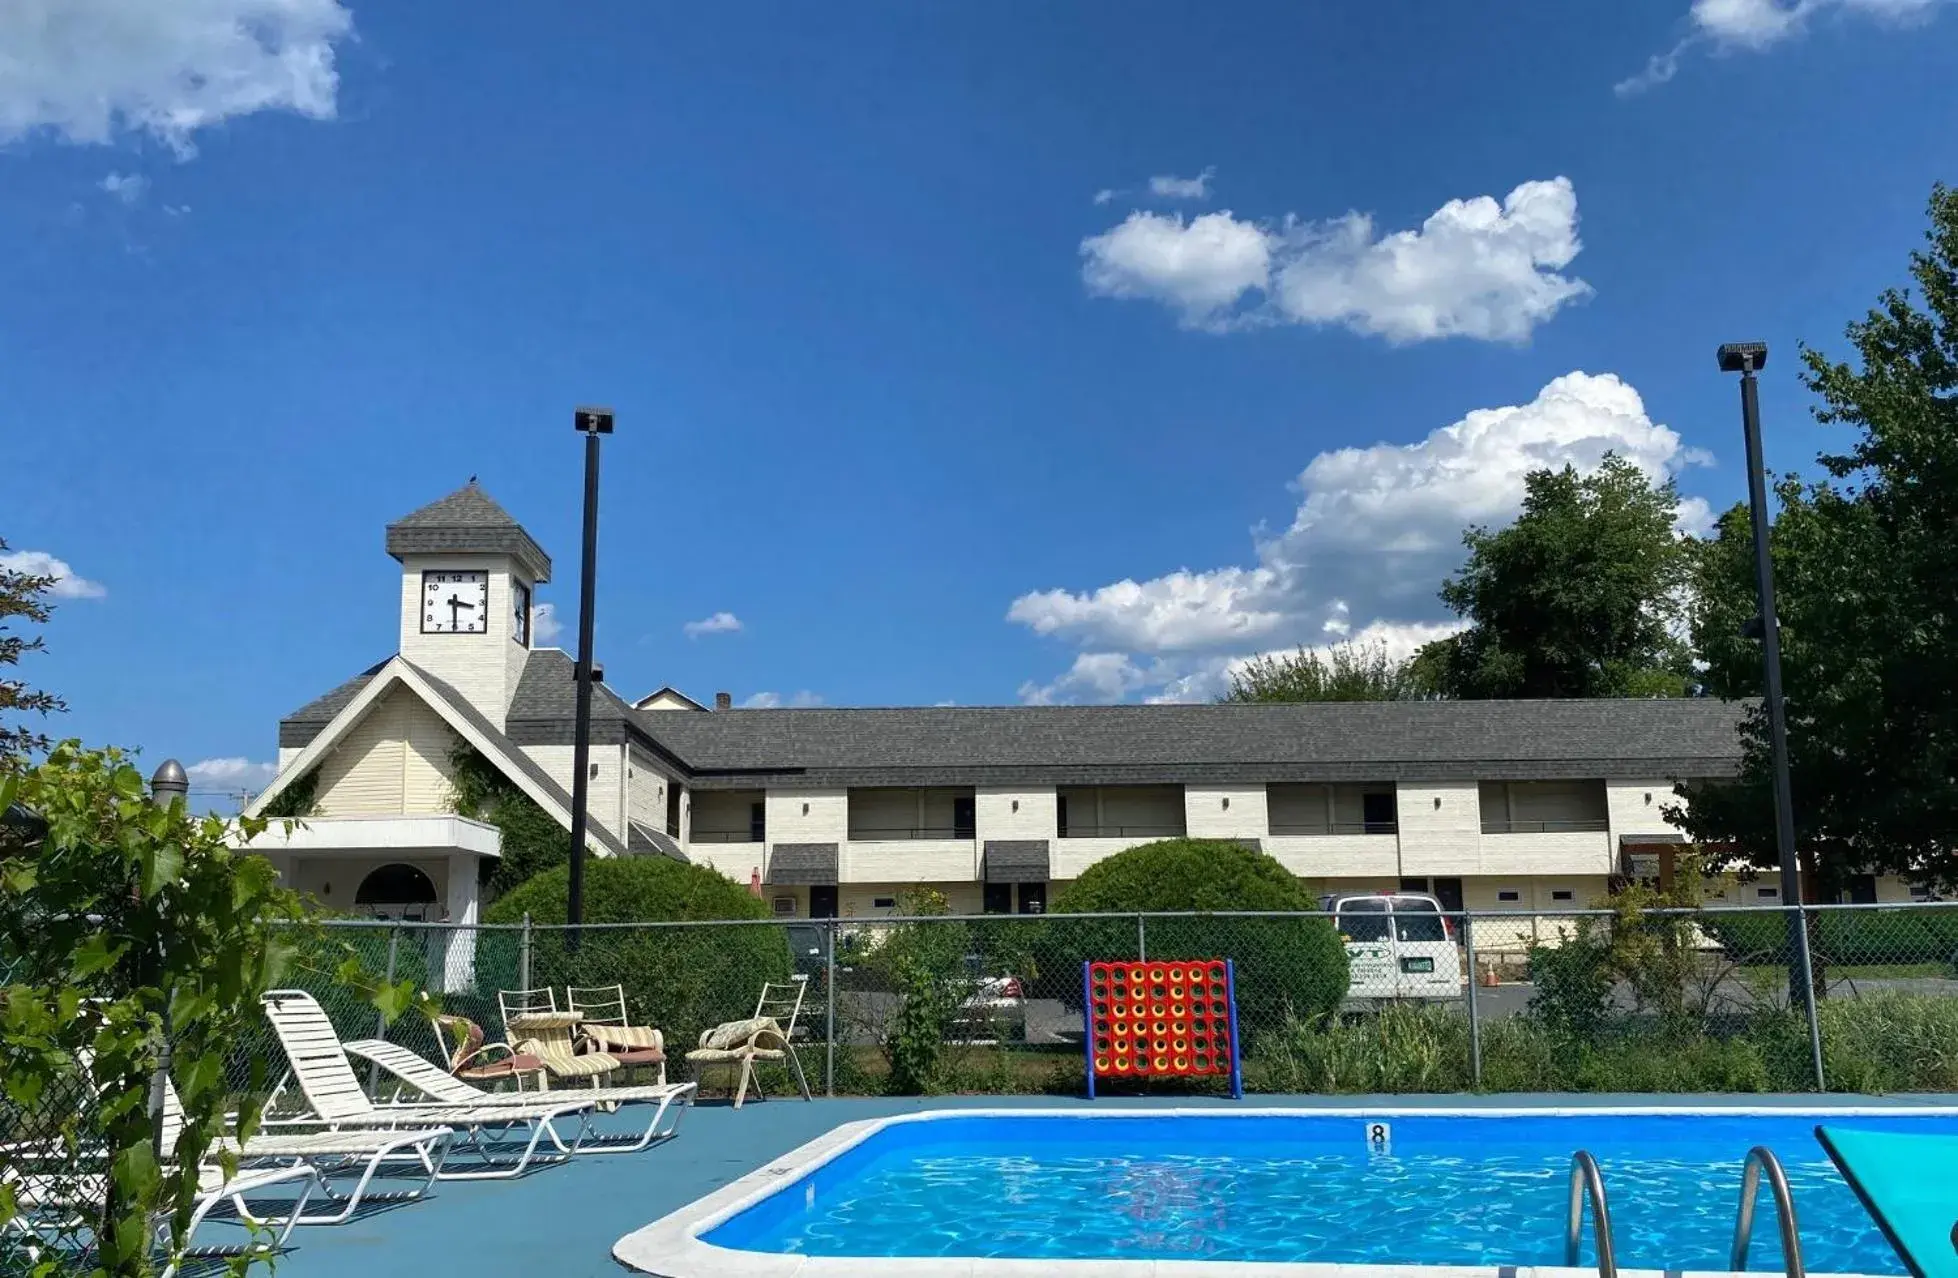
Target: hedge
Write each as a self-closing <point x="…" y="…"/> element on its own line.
<point x="1292" y="967"/>
<point x="1841" y="936"/>
<point x="680" y="980"/>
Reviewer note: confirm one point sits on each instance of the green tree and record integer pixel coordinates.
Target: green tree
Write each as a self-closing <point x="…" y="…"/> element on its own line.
<point x="22" y="595"/>
<point x="1868" y="600"/>
<point x="1580" y="597"/>
<point x="1344" y="672"/>
<point x="130" y="934"/>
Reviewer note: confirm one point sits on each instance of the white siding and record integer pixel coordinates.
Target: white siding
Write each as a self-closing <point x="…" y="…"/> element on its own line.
<point x="1634" y="807"/>
<point x="1440" y="828"/>
<point x="364" y="772"/>
<point x="1013" y="814"/>
<point x="426" y="774"/>
<point x="1224" y="811"/>
<point x="606" y="796"/>
<point x="1332" y="856"/>
<point x="909" y="861"/>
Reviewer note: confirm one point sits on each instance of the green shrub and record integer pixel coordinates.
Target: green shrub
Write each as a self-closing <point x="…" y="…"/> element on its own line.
<point x="923" y="964"/>
<point x="679" y="979"/>
<point x="1890" y="1042"/>
<point x="1841" y="937"/>
<point x="1288" y="970"/>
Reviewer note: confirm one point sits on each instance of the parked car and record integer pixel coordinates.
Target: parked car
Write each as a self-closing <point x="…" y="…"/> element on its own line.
<point x="1399" y="946"/>
<point x="993" y="1008"/>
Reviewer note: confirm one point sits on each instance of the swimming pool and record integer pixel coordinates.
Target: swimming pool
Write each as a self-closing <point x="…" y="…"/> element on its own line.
<point x="1474" y="1189"/>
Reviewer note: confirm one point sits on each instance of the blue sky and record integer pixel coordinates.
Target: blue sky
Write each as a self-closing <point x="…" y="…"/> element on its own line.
<point x="899" y="388"/>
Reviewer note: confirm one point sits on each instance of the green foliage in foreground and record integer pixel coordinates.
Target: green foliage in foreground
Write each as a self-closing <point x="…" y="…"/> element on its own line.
<point x="131" y="934"/>
<point x="678" y="980"/>
<point x="1891" y="1042"/>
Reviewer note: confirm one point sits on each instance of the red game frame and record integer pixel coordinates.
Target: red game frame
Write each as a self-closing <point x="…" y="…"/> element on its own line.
<point x="1161" y="1019"/>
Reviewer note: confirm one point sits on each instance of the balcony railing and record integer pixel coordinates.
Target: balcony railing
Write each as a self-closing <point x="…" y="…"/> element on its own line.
<point x="874" y="833"/>
<point x="1281" y="830"/>
<point x="1074" y="831"/>
<point x="1584" y="826"/>
<point x="728" y="836"/>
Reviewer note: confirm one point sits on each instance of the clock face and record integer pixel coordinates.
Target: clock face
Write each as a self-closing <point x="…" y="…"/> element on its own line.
<point x="520" y="595"/>
<point x="455" y="603"/>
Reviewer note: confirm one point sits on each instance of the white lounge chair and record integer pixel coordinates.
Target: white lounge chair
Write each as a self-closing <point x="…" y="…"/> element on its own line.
<point x="328" y="1152"/>
<point x="52" y="1203"/>
<point x="438" y="1084"/>
<point x="336" y="1100"/>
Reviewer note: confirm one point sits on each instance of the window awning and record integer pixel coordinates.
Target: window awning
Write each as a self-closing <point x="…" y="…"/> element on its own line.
<point x="1017" y="861"/>
<point x="804" y="863"/>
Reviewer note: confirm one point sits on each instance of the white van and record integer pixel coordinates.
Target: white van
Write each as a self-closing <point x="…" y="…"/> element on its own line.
<point x="1399" y="946"/>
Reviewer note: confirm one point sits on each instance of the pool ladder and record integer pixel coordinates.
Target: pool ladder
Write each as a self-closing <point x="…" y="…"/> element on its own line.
<point x="1587" y="1184"/>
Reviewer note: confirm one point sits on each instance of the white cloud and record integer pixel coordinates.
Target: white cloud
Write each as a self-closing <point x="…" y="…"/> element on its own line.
<point x="1201" y="268"/>
<point x="803" y="700"/>
<point x="1169" y="187"/>
<point x="1755" y="25"/>
<point x="89" y="70"/>
<point x="1375" y="532"/>
<point x="1475" y="268"/>
<point x="234" y="772"/>
<point x="39" y="563"/>
<point x="1095" y="676"/>
<point x="127" y="187"/>
<point x="720" y="623"/>
<point x="1105" y="195"/>
<point x="544" y="623"/>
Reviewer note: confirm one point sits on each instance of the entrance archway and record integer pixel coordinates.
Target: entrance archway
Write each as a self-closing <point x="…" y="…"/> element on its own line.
<point x="396" y="892"/>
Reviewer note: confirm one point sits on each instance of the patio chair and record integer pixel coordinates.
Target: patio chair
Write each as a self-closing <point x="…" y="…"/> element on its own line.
<point x="336" y="1100"/>
<point x="603" y="1022"/>
<point x="428" y="1079"/>
<point x="536" y="1027"/>
<point x="779" y="997"/>
<point x="472" y="1059"/>
<point x="49" y="1204"/>
<point x="326" y="1153"/>
<point x="737" y="1045"/>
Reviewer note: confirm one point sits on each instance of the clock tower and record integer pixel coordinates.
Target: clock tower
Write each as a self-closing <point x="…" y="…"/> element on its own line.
<point x="469" y="575"/>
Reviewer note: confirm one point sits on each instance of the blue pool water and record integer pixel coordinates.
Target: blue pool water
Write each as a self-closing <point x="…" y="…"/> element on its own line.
<point x="1450" y="1189"/>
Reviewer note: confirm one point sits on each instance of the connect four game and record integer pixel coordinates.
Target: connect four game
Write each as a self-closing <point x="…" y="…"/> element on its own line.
<point x="1174" y="1019"/>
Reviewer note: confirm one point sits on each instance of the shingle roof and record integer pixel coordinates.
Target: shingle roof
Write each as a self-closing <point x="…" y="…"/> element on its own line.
<point x="298" y="729"/>
<point x="547" y="698"/>
<point x="468" y="520"/>
<point x="1379" y="740"/>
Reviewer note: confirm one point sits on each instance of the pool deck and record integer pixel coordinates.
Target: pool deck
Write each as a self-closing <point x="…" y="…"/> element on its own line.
<point x="562" y="1221"/>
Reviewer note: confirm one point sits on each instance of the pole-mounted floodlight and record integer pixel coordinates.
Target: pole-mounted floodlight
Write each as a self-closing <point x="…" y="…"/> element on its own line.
<point x="1743" y="357"/>
<point x="1747" y="358"/>
<point x="592" y="423"/>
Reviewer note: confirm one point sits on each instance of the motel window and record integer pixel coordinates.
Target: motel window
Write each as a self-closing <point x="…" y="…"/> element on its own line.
<point x="1767" y="893"/>
<point x="1509" y="896"/>
<point x="1563" y="896"/>
<point x="883" y="903"/>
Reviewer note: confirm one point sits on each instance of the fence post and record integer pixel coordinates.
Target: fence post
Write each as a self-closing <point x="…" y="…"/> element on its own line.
<point x="1475" y="1019"/>
<point x="381" y="1018"/>
<point x="523" y="954"/>
<point x="1141" y="939"/>
<point x="829" y="1011"/>
<point x="1809" y="1001"/>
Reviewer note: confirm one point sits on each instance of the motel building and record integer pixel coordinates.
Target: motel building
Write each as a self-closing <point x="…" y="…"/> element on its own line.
<point x="1496" y="805"/>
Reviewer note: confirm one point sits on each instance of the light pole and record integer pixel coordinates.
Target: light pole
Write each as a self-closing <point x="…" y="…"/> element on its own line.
<point x="169" y="789"/>
<point x="1746" y="358"/>
<point x="592" y="423"/>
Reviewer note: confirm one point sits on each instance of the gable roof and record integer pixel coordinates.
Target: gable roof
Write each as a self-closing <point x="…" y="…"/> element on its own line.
<point x="468" y="520"/>
<point x="303" y="724"/>
<point x="463" y="718"/>
<point x="667" y="690"/>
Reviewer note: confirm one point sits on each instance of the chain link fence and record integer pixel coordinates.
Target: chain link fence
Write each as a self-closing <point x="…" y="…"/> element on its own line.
<point x="1658" y="1001"/>
<point x="1710" y="1000"/>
